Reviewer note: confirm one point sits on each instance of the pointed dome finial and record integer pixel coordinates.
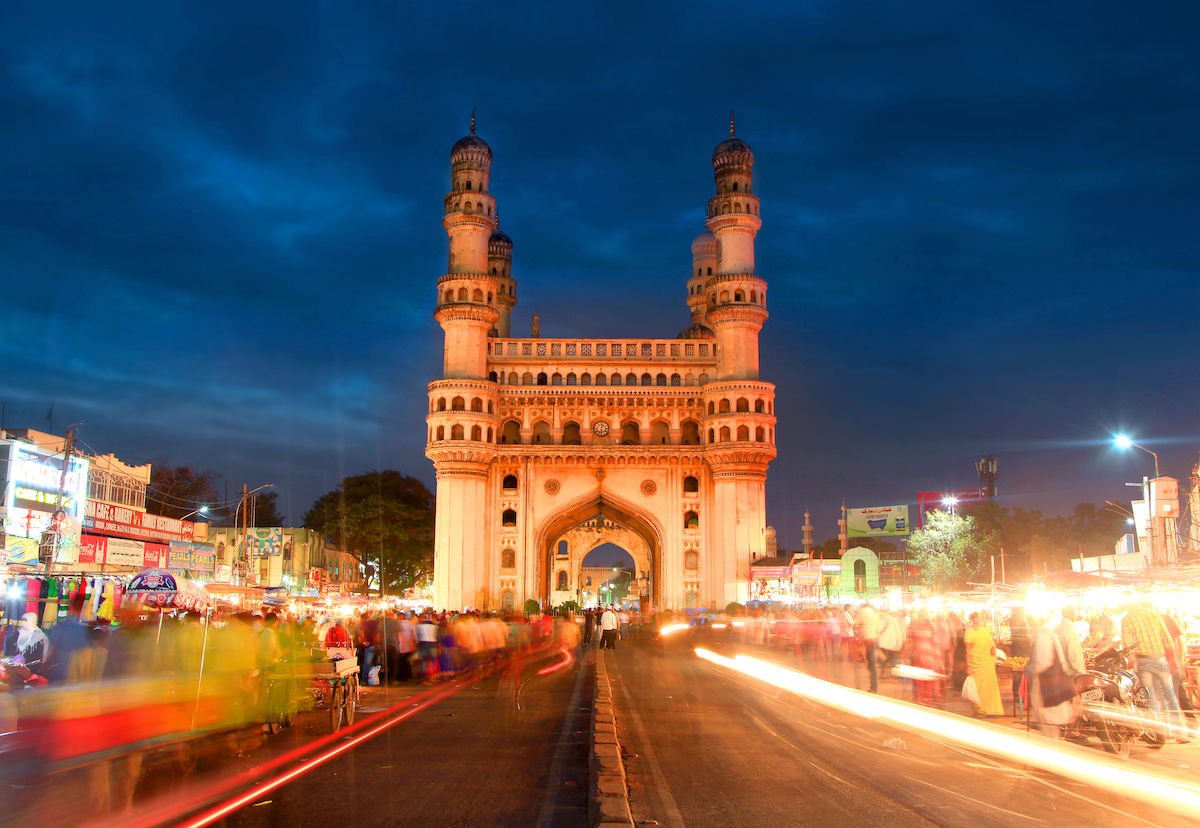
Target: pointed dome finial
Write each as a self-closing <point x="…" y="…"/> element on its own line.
<point x="472" y="120"/>
<point x="730" y="122"/>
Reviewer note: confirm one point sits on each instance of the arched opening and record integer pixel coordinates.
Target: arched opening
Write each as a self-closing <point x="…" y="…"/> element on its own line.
<point x="477" y="433"/>
<point x="441" y="404"/>
<point x="527" y="379"/>
<point x="476" y="404"/>
<point x="541" y="433"/>
<point x="508" y="517"/>
<point x="631" y="434"/>
<point x="676" y="380"/>
<point x="572" y="379"/>
<point x="689" y="434"/>
<point x="571" y="435"/>
<point x="456" y="432"/>
<point x="630" y="379"/>
<point x="556" y="379"/>
<point x="585" y="378"/>
<point x="743" y="405"/>
<point x="691" y="599"/>
<point x="691" y="520"/>
<point x="541" y="378"/>
<point x="691" y="485"/>
<point x="564" y="549"/>
<point x="712" y="436"/>
<point x="661" y="379"/>
<point x="511" y="435"/>
<point x="743" y="434"/>
<point x="724" y="434"/>
<point x="512" y="378"/>
<point x="509" y="482"/>
<point x="601" y="379"/>
<point x="712" y="408"/>
<point x="489" y="434"/>
<point x="691" y="560"/>
<point x="508" y="601"/>
<point x="494" y="377"/>
<point x="758" y="406"/>
<point x="660" y="433"/>
<point x="508" y="559"/>
<point x="616" y="379"/>
<point x="561" y="584"/>
<point x="458" y="404"/>
<point x="647" y="379"/>
<point x="441" y="432"/>
<point x="860" y="577"/>
<point x="760" y="434"/>
<point x="724" y="407"/>
<point x="738" y="296"/>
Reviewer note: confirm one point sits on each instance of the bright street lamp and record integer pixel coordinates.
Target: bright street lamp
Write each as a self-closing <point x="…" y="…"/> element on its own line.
<point x="1122" y="441"/>
<point x="952" y="502"/>
<point x="203" y="510"/>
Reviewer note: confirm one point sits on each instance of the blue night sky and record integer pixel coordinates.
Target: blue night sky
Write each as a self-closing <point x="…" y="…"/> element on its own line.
<point x="220" y="225"/>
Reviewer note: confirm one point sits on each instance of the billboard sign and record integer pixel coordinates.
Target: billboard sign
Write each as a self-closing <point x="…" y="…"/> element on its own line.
<point x="31" y="496"/>
<point x="877" y="521"/>
<point x="197" y="558"/>
<point x="122" y="521"/>
<point x="265" y="543"/>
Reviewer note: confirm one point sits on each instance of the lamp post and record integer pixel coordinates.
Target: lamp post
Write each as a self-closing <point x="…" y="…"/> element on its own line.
<point x="245" y="528"/>
<point x="203" y="510"/>
<point x="952" y="502"/>
<point x="1121" y="441"/>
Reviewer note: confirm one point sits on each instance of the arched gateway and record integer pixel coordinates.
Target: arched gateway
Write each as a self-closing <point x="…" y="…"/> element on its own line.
<point x="543" y="446"/>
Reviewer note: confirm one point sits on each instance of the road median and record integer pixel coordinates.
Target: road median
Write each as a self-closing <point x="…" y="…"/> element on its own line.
<point x="608" y="803"/>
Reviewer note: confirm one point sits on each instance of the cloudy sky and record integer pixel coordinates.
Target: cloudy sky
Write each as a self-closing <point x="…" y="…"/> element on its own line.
<point x="220" y="225"/>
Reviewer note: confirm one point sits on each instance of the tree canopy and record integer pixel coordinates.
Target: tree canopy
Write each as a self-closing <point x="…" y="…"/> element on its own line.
<point x="386" y="520"/>
<point x="176" y="491"/>
<point x="950" y="549"/>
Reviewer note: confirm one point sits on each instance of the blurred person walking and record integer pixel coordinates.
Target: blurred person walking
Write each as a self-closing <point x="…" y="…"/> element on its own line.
<point x="981" y="667"/>
<point x="1045" y="661"/>
<point x="867" y="623"/>
<point x="1145" y="635"/>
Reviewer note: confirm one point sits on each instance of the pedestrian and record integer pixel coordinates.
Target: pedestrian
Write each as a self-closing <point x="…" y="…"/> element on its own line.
<point x="891" y="638"/>
<point x="981" y="666"/>
<point x="925" y="654"/>
<point x="31" y="642"/>
<point x="589" y="624"/>
<point x="867" y="624"/>
<point x="69" y="639"/>
<point x="608" y="629"/>
<point x="1145" y="635"/>
<point x="1068" y="637"/>
<point x="1045" y="652"/>
<point x="427" y="641"/>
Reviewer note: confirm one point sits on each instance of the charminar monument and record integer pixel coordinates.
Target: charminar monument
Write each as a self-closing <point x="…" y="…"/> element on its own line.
<point x="546" y="448"/>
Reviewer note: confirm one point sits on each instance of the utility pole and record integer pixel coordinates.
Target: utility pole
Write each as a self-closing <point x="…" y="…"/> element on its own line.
<point x="245" y="533"/>
<point x="55" y="530"/>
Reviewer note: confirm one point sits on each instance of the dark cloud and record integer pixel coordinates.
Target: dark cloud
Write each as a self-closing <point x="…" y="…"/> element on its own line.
<point x="220" y="226"/>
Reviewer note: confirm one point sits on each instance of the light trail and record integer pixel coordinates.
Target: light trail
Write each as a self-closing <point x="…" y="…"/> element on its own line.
<point x="567" y="660"/>
<point x="1066" y="760"/>
<point x="671" y="628"/>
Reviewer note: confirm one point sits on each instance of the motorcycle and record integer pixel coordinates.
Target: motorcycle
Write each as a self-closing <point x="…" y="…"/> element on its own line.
<point x="1116" y="706"/>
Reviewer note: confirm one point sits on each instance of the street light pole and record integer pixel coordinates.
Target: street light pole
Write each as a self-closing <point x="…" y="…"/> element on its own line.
<point x="1121" y="441"/>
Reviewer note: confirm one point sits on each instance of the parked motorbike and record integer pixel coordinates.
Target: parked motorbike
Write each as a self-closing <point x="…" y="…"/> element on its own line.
<point x="1116" y="706"/>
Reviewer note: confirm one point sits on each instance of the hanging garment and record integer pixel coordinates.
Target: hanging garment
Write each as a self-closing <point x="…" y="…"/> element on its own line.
<point x="49" y="614"/>
<point x="33" y="592"/>
<point x="108" y="604"/>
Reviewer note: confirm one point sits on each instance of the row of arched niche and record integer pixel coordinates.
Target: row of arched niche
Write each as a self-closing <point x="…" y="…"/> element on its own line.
<point x="615" y="378"/>
<point x="726" y="405"/>
<point x="572" y="435"/>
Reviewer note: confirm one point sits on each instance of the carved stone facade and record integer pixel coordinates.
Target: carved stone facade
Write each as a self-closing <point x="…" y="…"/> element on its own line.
<point x="658" y="445"/>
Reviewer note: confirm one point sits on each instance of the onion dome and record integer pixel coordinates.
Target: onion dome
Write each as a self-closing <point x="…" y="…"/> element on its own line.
<point x="697" y="330"/>
<point x="704" y="242"/>
<point x="732" y="148"/>
<point x="499" y="244"/>
<point x="470" y="145"/>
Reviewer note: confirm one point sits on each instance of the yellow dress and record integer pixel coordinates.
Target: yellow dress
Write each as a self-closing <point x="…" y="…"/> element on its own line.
<point x="981" y="664"/>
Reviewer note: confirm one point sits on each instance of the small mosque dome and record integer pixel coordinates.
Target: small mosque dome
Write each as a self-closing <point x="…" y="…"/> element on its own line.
<point x="731" y="149"/>
<point x="470" y="145"/>
<point x="697" y="330"/>
<point x="704" y="241"/>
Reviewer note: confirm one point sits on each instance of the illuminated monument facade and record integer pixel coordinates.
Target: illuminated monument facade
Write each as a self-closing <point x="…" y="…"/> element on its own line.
<point x="548" y="447"/>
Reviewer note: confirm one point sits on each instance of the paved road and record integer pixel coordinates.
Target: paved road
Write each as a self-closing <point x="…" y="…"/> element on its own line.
<point x="707" y="747"/>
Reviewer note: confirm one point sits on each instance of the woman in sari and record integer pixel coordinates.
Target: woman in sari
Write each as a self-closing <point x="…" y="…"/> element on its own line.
<point x="981" y="666"/>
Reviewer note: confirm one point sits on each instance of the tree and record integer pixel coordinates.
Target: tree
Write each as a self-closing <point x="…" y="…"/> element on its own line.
<point x="262" y="509"/>
<point x="178" y="491"/>
<point x="386" y="520"/>
<point x="950" y="549"/>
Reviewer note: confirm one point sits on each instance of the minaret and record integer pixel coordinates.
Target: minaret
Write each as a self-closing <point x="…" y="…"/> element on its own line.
<point x="500" y="249"/>
<point x="740" y="409"/>
<point x="466" y="307"/>
<point x="462" y="415"/>
<point x="737" y="301"/>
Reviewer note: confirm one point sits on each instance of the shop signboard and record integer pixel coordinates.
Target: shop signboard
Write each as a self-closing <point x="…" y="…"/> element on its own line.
<point x="265" y="543"/>
<point x="124" y="522"/>
<point x="769" y="573"/>
<point x="197" y="558"/>
<point x="20" y="551"/>
<point x="32" y="480"/>
<point x="877" y="521"/>
<point x="98" y="549"/>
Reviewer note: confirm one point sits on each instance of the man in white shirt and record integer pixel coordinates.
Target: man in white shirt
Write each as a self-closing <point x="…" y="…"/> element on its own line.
<point x="868" y="625"/>
<point x="608" y="629"/>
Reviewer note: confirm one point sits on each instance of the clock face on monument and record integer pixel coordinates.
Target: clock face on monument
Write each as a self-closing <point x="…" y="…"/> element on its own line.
<point x="600" y="428"/>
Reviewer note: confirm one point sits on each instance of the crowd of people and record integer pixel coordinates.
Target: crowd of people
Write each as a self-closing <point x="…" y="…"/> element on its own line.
<point x="944" y="653"/>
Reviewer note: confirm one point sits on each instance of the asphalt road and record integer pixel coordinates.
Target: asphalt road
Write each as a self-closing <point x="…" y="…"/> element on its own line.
<point x="708" y="747"/>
